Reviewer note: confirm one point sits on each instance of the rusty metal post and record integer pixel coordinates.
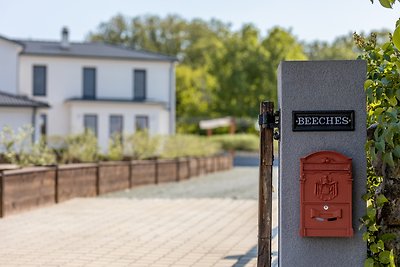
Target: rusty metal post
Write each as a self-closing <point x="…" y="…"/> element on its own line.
<point x="267" y="124"/>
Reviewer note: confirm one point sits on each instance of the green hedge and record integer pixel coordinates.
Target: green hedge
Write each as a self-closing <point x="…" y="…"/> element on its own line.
<point x="243" y="142"/>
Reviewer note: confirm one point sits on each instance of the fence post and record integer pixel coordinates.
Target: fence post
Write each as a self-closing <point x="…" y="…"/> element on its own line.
<point x="267" y="124"/>
<point x="1" y="194"/>
<point x="98" y="178"/>
<point x="56" y="185"/>
<point x="156" y="171"/>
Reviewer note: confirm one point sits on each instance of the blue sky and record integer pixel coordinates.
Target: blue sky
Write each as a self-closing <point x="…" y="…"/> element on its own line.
<point x="308" y="19"/>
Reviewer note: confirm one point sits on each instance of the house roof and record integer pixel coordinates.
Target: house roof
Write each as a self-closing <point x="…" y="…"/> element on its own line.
<point x="10" y="100"/>
<point x="89" y="49"/>
<point x="11" y="41"/>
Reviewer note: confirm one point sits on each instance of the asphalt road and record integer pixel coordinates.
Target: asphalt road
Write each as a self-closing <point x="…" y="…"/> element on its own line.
<point x="238" y="183"/>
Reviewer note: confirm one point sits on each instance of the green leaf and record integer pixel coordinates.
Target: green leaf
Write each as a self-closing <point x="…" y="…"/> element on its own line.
<point x="391" y="258"/>
<point x="386" y="45"/>
<point x="398" y="94"/>
<point x="396" y="151"/>
<point x="365" y="236"/>
<point x="380" y="146"/>
<point x="387" y="237"/>
<point x="396" y="37"/>
<point x="368" y="83"/>
<point x="373" y="228"/>
<point x="380" y="245"/>
<point x="378" y="111"/>
<point x="386" y="3"/>
<point x="392" y="111"/>
<point x="384" y="257"/>
<point x="369" y="92"/>
<point x="385" y="81"/>
<point x="369" y="262"/>
<point x="374" y="248"/>
<point x="393" y="101"/>
<point x="389" y="138"/>
<point x="366" y="196"/>
<point x="379" y="92"/>
<point x="381" y="199"/>
<point x="372" y="153"/>
<point x="370" y="203"/>
<point x="371" y="212"/>
<point x="388" y="158"/>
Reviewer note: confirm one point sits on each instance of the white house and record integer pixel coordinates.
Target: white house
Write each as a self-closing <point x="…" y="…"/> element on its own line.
<point x="73" y="86"/>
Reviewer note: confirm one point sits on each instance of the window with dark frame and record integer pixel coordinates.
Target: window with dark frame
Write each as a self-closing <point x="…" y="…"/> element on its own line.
<point x="116" y="125"/>
<point x="43" y="125"/>
<point x="90" y="123"/>
<point x="39" y="80"/>
<point x="89" y="83"/>
<point x="141" y="122"/>
<point x="139" y="85"/>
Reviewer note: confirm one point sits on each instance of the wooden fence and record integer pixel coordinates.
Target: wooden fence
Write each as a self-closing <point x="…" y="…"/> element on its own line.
<point x="33" y="187"/>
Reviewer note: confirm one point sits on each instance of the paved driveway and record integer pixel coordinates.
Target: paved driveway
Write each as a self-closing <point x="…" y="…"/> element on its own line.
<point x="206" y="221"/>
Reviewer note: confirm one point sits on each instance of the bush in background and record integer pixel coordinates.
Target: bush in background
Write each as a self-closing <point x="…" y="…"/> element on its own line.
<point x="115" y="148"/>
<point x="17" y="148"/>
<point x="81" y="148"/>
<point x="176" y="146"/>
<point x="40" y="155"/>
<point x="243" y="142"/>
<point x="141" y="145"/>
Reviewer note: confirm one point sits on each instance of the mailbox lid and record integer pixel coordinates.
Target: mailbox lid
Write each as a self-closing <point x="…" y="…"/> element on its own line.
<point x="326" y="160"/>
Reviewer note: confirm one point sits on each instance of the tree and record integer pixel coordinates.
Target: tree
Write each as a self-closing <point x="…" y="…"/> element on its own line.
<point x="281" y="45"/>
<point x="221" y="72"/>
<point x="194" y="96"/>
<point x="341" y="48"/>
<point x="240" y="69"/>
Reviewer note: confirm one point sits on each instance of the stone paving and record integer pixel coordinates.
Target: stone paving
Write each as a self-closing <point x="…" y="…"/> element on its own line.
<point x="137" y="231"/>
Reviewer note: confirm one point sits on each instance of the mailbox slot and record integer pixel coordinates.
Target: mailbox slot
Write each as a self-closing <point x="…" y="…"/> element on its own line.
<point x="326" y="195"/>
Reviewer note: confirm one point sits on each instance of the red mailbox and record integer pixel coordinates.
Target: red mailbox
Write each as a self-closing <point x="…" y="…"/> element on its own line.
<point x="326" y="195"/>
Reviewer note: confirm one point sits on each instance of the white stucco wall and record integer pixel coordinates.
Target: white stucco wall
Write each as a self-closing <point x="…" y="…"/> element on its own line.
<point x="15" y="117"/>
<point x="9" y="66"/>
<point x="157" y="114"/>
<point x="114" y="79"/>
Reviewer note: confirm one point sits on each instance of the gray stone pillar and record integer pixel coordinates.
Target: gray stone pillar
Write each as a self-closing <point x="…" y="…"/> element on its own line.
<point x="320" y="86"/>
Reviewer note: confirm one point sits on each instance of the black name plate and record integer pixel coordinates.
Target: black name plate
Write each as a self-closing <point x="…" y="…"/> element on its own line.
<point x="327" y="120"/>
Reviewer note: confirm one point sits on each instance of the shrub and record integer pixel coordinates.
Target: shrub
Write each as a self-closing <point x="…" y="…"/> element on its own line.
<point x="244" y="142"/>
<point x="176" y="146"/>
<point x="81" y="148"/>
<point x="41" y="154"/>
<point x="115" y="148"/>
<point x="141" y="145"/>
<point x="18" y="148"/>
